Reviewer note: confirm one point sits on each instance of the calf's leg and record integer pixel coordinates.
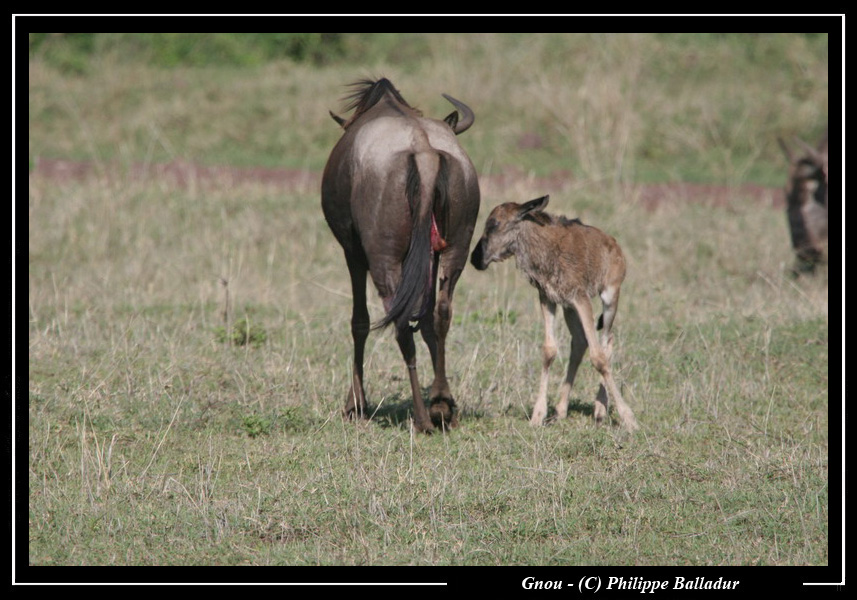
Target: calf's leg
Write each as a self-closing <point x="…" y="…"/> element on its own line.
<point x="601" y="361"/>
<point x="540" y="409"/>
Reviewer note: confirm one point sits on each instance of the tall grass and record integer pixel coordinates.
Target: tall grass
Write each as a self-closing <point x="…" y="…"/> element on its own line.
<point x="155" y="437"/>
<point x="601" y="106"/>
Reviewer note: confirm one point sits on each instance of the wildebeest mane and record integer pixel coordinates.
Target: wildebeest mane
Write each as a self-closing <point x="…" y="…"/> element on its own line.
<point x="366" y="94"/>
<point x="542" y="218"/>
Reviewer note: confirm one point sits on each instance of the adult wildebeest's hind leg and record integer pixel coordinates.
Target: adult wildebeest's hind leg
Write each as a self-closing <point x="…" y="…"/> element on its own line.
<point x="405" y="338"/>
<point x="355" y="403"/>
<point x="578" y="349"/>
<point x="442" y="410"/>
<point x="540" y="408"/>
<point x="601" y="361"/>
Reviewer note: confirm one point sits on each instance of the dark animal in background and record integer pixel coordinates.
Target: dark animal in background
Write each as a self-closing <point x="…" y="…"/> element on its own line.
<point x="568" y="263"/>
<point x="401" y="197"/>
<point x="806" y="203"/>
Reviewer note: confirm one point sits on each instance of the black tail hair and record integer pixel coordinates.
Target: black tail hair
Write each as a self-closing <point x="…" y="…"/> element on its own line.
<point x="413" y="294"/>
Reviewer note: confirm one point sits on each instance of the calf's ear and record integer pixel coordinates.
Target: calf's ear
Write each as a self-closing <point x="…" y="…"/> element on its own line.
<point x="536" y="205"/>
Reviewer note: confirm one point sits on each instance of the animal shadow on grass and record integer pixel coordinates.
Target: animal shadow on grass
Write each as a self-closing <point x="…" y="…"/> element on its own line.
<point x="395" y="410"/>
<point x="575" y="405"/>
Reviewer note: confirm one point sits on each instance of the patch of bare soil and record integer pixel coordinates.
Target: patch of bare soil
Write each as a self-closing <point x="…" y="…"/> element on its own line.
<point x="184" y="173"/>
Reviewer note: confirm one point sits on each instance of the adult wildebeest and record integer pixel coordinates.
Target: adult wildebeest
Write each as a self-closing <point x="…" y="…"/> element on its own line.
<point x="568" y="263"/>
<point x="806" y="203"/>
<point x="401" y="197"/>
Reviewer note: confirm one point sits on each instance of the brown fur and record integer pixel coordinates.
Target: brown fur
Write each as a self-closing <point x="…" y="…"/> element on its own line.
<point x="401" y="197"/>
<point x="568" y="263"/>
<point x="806" y="204"/>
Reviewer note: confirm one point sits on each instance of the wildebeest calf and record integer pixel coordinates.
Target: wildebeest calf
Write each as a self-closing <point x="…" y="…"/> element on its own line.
<point x="568" y="263"/>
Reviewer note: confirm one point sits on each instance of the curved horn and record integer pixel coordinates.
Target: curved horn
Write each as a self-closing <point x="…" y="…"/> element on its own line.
<point x="337" y="118"/>
<point x="813" y="153"/>
<point x="786" y="150"/>
<point x="467" y="116"/>
<point x="822" y="145"/>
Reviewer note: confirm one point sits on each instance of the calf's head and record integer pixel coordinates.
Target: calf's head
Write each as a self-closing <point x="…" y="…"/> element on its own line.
<point x="499" y="240"/>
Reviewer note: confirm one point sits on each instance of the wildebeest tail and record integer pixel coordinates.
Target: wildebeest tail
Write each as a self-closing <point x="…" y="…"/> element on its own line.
<point x="426" y="173"/>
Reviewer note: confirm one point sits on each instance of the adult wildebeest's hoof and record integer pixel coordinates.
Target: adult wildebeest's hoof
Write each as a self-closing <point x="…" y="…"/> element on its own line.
<point x="443" y="413"/>
<point x="354" y="415"/>
<point x="354" y="410"/>
<point x="426" y="427"/>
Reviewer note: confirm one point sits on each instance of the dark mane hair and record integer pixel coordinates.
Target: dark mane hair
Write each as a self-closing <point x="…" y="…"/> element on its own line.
<point x="366" y="94"/>
<point x="543" y="218"/>
<point x="565" y="221"/>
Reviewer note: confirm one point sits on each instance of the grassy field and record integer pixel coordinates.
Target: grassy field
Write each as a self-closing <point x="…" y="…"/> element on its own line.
<point x="189" y="345"/>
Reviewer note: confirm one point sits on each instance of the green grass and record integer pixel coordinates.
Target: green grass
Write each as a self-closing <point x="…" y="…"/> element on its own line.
<point x="155" y="437"/>
<point x="675" y="107"/>
<point x="146" y="428"/>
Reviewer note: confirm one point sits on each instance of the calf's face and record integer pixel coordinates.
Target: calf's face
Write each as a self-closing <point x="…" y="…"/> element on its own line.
<point x="501" y="232"/>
